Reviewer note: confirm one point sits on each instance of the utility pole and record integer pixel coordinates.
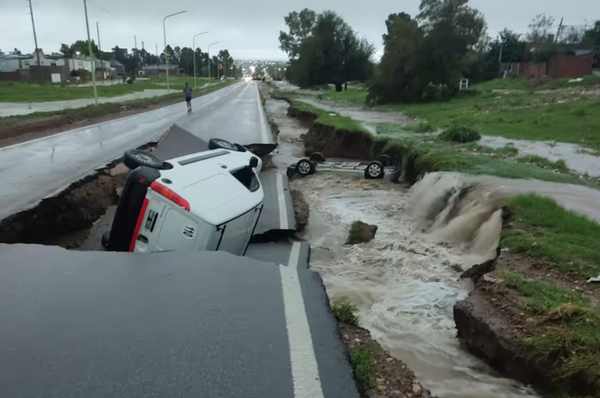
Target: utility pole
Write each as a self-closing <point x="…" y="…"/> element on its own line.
<point x="35" y="40"/>
<point x="165" y="40"/>
<point x="100" y="48"/>
<point x="157" y="60"/>
<point x="559" y="29"/>
<point x="92" y="60"/>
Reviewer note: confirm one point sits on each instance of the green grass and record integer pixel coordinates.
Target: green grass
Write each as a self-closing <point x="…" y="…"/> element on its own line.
<point x="510" y="83"/>
<point x="353" y="96"/>
<point x="329" y="118"/>
<point x="507" y="150"/>
<point x="345" y="312"/>
<point x="545" y="163"/>
<point x="459" y="134"/>
<point x="29" y="92"/>
<point x="589" y="80"/>
<point x="363" y="363"/>
<point x="545" y="230"/>
<point x="526" y="116"/>
<point x="568" y="330"/>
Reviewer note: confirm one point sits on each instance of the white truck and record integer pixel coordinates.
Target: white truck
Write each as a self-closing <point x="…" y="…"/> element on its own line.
<point x="205" y="201"/>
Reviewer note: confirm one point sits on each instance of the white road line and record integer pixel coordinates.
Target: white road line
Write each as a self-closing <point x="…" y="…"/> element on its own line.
<point x="305" y="371"/>
<point x="261" y="117"/>
<point x="283" y="213"/>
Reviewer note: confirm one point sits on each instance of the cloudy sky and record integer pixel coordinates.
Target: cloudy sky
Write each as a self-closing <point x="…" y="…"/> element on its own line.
<point x="249" y="29"/>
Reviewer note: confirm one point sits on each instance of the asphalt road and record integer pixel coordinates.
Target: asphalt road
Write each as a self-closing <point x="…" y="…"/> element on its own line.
<point x="176" y="324"/>
<point x="36" y="169"/>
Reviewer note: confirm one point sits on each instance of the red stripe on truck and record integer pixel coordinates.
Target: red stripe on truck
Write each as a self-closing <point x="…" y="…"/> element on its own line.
<point x="138" y="225"/>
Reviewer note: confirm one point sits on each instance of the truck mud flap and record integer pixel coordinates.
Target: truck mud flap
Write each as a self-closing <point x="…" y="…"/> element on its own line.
<point x="261" y="149"/>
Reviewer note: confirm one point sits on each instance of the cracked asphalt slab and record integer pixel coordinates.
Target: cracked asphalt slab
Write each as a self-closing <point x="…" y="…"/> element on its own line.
<point x="208" y="324"/>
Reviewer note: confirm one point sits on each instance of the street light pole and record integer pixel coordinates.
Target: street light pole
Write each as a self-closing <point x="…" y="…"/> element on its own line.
<point x="165" y="39"/>
<point x="208" y="53"/>
<point x="194" y="51"/>
<point x="92" y="60"/>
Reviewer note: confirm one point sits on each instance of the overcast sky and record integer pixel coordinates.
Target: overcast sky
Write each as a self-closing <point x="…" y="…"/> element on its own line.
<point x="249" y="29"/>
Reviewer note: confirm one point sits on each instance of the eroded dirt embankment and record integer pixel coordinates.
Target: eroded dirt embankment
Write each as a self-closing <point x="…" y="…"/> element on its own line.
<point x="64" y="219"/>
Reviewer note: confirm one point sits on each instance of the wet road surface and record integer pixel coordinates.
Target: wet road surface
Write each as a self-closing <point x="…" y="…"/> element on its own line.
<point x="37" y="169"/>
<point x="207" y="324"/>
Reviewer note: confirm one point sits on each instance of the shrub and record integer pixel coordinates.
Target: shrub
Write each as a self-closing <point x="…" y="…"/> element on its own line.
<point x="460" y="134"/>
<point x="345" y="312"/>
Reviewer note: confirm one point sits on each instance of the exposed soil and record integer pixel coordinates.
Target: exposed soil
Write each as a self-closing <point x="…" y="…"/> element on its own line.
<point x="394" y="379"/>
<point x="494" y="321"/>
<point x="301" y="209"/>
<point x="14" y="130"/>
<point x="66" y="218"/>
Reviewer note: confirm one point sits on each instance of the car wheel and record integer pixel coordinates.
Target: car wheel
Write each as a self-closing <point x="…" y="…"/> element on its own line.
<point x="385" y="160"/>
<point x="374" y="171"/>
<point x="135" y="158"/>
<point x="218" y="143"/>
<point x="305" y="167"/>
<point x="240" y="148"/>
<point x="317" y="157"/>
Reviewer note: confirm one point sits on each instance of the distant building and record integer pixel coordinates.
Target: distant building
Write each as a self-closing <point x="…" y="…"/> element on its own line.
<point x="153" y="70"/>
<point x="118" y="67"/>
<point x="10" y="63"/>
<point x="45" y="60"/>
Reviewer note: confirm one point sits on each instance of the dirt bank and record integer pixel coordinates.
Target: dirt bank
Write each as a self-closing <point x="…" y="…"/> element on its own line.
<point x="536" y="342"/>
<point x="65" y="218"/>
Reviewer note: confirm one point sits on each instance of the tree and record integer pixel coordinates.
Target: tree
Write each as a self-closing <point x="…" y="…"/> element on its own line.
<point x="300" y="24"/>
<point x="329" y="53"/>
<point x="451" y="29"/>
<point x="572" y="35"/>
<point x="541" y="29"/>
<point x="397" y="75"/>
<point x="591" y="36"/>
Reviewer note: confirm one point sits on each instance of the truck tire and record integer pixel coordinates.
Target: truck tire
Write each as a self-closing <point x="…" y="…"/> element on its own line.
<point x="240" y="148"/>
<point x="218" y="143"/>
<point x="305" y="167"/>
<point x="317" y="157"/>
<point x="135" y="158"/>
<point x="385" y="160"/>
<point x="374" y="171"/>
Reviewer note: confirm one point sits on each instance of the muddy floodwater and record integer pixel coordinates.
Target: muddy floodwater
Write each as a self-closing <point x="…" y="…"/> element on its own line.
<point x="406" y="281"/>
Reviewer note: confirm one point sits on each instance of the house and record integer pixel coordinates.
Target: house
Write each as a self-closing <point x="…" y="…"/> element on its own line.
<point x="150" y="70"/>
<point x="9" y="63"/>
<point x="118" y="67"/>
<point x="44" y="60"/>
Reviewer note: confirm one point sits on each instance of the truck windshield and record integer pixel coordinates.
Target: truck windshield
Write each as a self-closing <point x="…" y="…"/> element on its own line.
<point x="247" y="178"/>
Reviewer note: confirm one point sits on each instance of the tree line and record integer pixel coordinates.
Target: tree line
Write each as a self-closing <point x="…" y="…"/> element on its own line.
<point x="424" y="56"/>
<point x="220" y="64"/>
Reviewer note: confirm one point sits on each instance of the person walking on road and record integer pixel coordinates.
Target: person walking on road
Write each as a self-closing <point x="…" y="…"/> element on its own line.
<point x="188" y="96"/>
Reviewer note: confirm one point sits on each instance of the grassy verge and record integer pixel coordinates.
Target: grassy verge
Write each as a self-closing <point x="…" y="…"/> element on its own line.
<point x="545" y="230"/>
<point x="30" y="92"/>
<point x="363" y="363"/>
<point x="345" y="312"/>
<point x="567" y="331"/>
<point x="557" y="116"/>
<point x="432" y="156"/>
<point x="328" y="118"/>
<point x="93" y="111"/>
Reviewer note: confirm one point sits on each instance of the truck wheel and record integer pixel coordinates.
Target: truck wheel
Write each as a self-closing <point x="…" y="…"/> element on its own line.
<point x="305" y="167"/>
<point x="218" y="143"/>
<point x="135" y="158"/>
<point x="374" y="171"/>
<point x="395" y="175"/>
<point x="317" y="157"/>
<point x="385" y="160"/>
<point x="240" y="148"/>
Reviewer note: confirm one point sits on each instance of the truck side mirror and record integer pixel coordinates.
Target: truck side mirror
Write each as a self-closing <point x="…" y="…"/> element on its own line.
<point x="254" y="162"/>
